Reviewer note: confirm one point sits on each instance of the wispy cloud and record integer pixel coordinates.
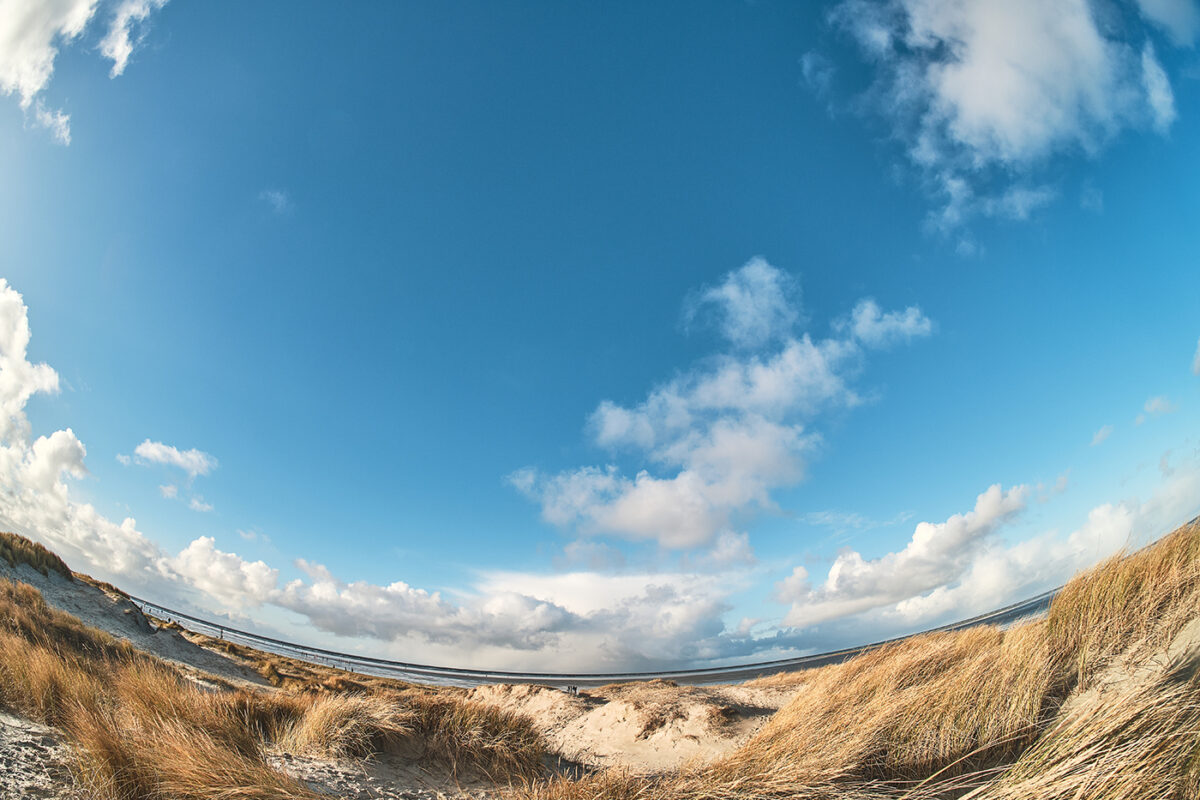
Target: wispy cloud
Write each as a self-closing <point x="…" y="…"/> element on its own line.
<point x="126" y="31"/>
<point x="1180" y="19"/>
<point x="278" y="200"/>
<point x="33" y="31"/>
<point x="1102" y="434"/>
<point x="196" y="503"/>
<point x="1155" y="407"/>
<point x="194" y="462"/>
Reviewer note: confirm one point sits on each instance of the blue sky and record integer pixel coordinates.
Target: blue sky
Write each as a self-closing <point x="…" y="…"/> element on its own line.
<point x="599" y="335"/>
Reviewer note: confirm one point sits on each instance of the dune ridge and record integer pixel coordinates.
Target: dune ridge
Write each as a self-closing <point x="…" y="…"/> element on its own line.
<point x="1100" y="698"/>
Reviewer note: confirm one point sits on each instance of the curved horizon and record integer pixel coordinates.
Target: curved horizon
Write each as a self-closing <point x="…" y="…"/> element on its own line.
<point x="599" y="338"/>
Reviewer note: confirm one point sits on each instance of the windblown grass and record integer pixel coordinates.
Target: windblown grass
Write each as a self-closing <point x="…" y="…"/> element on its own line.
<point x="1076" y="705"/>
<point x="997" y="714"/>
<point x="1131" y="742"/>
<point x="18" y="550"/>
<point x="143" y="732"/>
<point x="347" y="726"/>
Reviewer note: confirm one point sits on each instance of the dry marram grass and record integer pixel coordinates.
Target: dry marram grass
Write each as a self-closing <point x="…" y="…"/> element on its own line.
<point x="141" y="731"/>
<point x="1033" y="711"/>
<point x="979" y="710"/>
<point x="18" y="550"/>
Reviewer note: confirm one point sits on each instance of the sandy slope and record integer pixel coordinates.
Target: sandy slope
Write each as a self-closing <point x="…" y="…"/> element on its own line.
<point x="121" y="618"/>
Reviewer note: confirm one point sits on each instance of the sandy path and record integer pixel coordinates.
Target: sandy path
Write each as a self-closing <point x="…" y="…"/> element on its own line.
<point x="33" y="761"/>
<point x="381" y="778"/>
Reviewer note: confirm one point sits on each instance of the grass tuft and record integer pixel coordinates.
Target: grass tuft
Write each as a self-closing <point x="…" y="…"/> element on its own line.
<point x="17" y="549"/>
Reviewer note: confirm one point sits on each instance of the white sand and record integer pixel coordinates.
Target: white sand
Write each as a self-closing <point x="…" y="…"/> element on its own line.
<point x="33" y="762"/>
<point x="642" y="728"/>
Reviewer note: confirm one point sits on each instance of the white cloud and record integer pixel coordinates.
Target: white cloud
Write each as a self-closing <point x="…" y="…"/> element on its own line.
<point x="1179" y="18"/>
<point x="982" y="94"/>
<point x="794" y="588"/>
<point x="169" y="491"/>
<point x="194" y="462"/>
<point x="30" y="32"/>
<point x="582" y="620"/>
<point x="876" y="328"/>
<point x="1102" y="434"/>
<point x="19" y="379"/>
<point x="1017" y="202"/>
<point x="1155" y="407"/>
<point x="1158" y="90"/>
<point x="753" y="305"/>
<point x="52" y="457"/>
<point x="278" y="199"/>
<point x="717" y="439"/>
<point x="730" y="550"/>
<point x="225" y="576"/>
<point x="818" y="71"/>
<point x="53" y="120"/>
<point x="33" y="31"/>
<point x="994" y="571"/>
<point x="937" y="554"/>
<point x="999" y="574"/>
<point x="119" y="42"/>
<point x="197" y="504"/>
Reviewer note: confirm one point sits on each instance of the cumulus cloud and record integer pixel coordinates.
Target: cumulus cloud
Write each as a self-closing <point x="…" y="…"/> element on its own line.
<point x="124" y="32"/>
<point x="223" y="575"/>
<point x="995" y="571"/>
<point x="31" y="35"/>
<point x="717" y="439"/>
<point x="937" y="554"/>
<point x="982" y="94"/>
<point x="1000" y="573"/>
<point x="197" y="504"/>
<point x="194" y="462"/>
<point x="19" y="378"/>
<point x="1102" y="434"/>
<point x="578" y="620"/>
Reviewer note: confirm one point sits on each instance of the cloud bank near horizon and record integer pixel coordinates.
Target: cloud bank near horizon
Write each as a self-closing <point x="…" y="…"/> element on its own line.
<point x="577" y="619"/>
